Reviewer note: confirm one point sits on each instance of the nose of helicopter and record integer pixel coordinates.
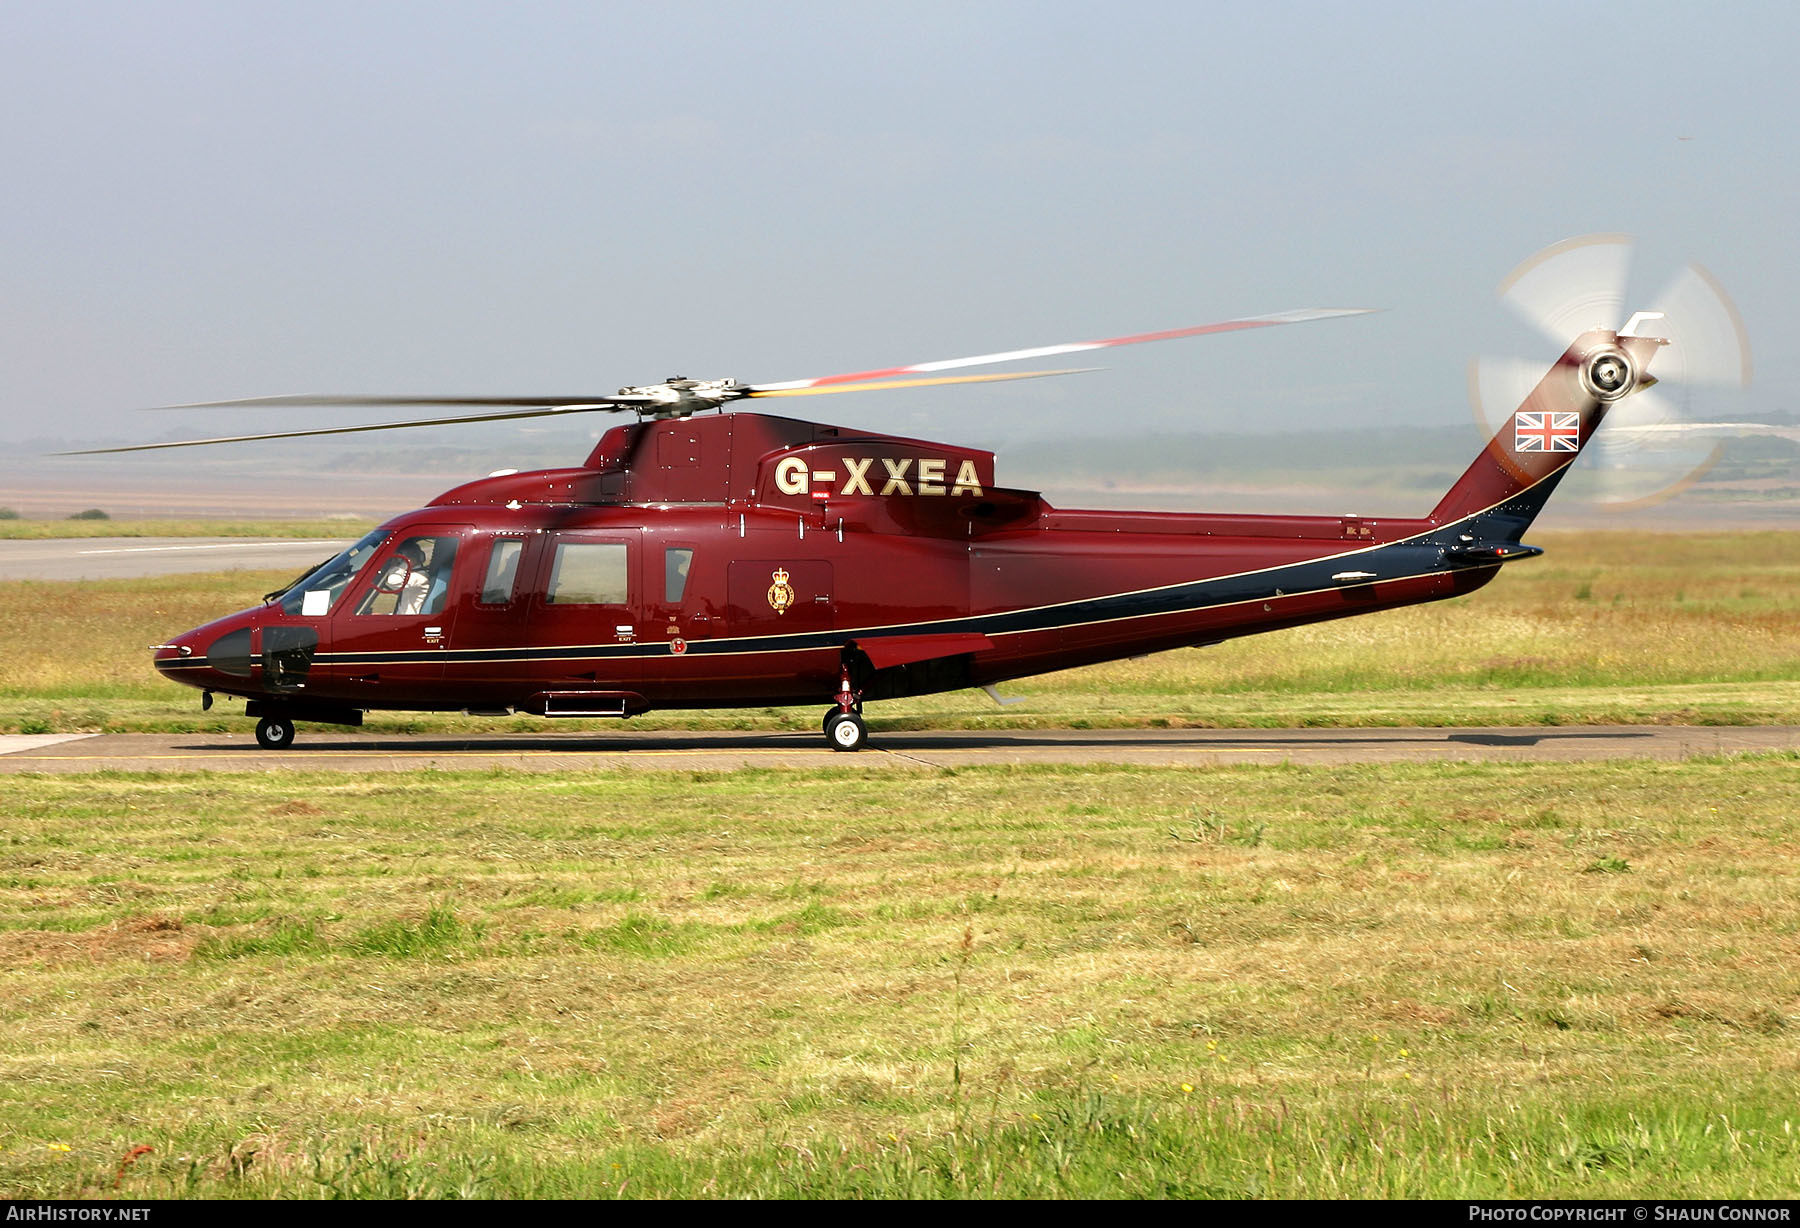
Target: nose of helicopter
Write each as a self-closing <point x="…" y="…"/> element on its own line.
<point x="211" y="657"/>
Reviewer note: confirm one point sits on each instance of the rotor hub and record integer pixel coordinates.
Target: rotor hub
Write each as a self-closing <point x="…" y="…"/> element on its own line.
<point x="1608" y="374"/>
<point x="678" y="396"/>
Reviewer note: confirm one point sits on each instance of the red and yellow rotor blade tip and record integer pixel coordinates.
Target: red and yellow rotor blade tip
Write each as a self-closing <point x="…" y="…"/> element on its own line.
<point x="879" y="385"/>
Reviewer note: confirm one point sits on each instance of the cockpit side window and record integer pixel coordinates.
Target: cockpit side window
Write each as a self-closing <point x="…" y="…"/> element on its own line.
<point x="414" y="579"/>
<point x="318" y="590"/>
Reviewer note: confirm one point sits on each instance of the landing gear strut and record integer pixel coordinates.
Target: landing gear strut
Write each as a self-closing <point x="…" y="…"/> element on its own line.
<point x="844" y="728"/>
<point x="275" y="733"/>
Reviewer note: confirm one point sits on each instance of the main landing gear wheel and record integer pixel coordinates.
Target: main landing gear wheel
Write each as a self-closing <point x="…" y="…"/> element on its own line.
<point x="846" y="731"/>
<point x="831" y="714"/>
<point x="274" y="733"/>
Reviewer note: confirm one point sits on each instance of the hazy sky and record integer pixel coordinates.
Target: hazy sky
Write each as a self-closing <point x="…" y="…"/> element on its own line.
<point x="217" y="200"/>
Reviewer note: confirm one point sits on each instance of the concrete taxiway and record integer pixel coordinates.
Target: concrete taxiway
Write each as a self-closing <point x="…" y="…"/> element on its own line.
<point x="119" y="558"/>
<point x="122" y="558"/>
<point x="324" y="750"/>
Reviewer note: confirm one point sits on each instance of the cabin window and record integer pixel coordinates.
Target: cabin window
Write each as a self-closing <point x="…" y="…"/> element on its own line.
<point x="502" y="571"/>
<point x="675" y="574"/>
<point x="588" y="573"/>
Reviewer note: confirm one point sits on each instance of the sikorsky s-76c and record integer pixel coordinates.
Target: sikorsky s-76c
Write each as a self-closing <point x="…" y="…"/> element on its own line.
<point x="702" y="559"/>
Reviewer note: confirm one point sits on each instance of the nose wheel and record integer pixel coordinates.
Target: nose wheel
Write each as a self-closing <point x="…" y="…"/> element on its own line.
<point x="845" y="730"/>
<point x="274" y="733"/>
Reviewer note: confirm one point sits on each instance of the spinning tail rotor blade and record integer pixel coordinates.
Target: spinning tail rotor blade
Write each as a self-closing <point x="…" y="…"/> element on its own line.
<point x="1497" y="386"/>
<point x="1648" y="448"/>
<point x="1707" y="343"/>
<point x="1571" y="287"/>
<point x="1646" y="452"/>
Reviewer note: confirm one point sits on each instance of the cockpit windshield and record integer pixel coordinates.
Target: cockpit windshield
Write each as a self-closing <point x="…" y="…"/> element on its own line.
<point x="318" y="590"/>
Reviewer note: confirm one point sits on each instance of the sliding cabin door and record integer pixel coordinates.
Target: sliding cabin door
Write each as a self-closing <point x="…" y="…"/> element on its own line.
<point x="584" y="626"/>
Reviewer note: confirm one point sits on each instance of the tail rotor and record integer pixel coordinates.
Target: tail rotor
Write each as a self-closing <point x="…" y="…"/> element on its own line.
<point x="1651" y="446"/>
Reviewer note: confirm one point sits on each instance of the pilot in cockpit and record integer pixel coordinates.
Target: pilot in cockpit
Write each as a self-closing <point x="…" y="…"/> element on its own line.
<point x="415" y="592"/>
<point x="415" y="579"/>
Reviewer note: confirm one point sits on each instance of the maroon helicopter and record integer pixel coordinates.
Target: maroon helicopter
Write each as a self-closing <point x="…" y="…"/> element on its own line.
<point x="738" y="559"/>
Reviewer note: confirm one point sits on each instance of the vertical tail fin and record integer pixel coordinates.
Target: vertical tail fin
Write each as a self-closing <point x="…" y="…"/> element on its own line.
<point x="1527" y="458"/>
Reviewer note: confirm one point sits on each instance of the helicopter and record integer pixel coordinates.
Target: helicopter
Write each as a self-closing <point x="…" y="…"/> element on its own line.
<point x="709" y="556"/>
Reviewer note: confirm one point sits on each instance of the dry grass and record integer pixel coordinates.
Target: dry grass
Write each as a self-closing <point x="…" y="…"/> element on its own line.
<point x="1449" y="980"/>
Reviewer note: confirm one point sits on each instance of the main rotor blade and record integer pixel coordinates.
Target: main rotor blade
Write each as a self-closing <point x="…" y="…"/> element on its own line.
<point x="879" y="385"/>
<point x="360" y="400"/>
<point x="351" y="430"/>
<point x="1074" y="347"/>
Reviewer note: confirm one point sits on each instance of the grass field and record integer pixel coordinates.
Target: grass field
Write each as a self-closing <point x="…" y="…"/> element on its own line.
<point x="1608" y="628"/>
<point x="1450" y="980"/>
<point x="1411" y="981"/>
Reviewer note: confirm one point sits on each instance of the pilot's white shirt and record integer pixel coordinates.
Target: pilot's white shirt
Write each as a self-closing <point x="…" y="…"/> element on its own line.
<point x="412" y="593"/>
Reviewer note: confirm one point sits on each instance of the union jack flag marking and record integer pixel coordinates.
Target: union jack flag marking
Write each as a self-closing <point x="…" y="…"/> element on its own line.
<point x="1546" y="432"/>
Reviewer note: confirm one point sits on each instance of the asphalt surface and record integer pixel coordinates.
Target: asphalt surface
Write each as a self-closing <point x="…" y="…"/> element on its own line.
<point x="322" y="749"/>
<point x="124" y="558"/>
